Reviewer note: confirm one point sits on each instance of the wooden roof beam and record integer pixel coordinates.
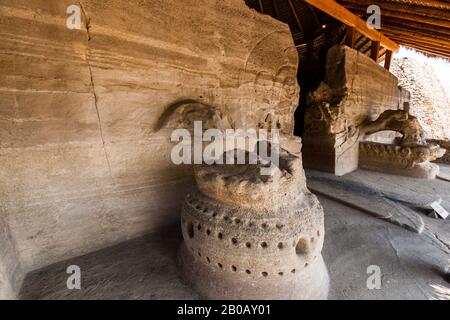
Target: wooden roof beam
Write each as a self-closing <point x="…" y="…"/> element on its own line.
<point x="342" y="14"/>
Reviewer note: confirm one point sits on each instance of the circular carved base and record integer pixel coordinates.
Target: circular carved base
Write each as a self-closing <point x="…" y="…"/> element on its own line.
<point x="225" y="283"/>
<point x="252" y="236"/>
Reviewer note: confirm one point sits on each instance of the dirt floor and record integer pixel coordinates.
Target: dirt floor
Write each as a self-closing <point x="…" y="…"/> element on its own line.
<point x="412" y="265"/>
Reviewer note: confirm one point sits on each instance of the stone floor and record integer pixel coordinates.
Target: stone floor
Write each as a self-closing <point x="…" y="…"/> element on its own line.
<point x="412" y="267"/>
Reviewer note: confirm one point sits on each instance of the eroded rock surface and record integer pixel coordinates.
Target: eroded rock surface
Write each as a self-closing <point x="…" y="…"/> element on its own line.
<point x="429" y="100"/>
<point x="445" y="144"/>
<point x="409" y="155"/>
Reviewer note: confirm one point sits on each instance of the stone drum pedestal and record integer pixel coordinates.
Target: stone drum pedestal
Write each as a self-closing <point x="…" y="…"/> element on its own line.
<point x="251" y="236"/>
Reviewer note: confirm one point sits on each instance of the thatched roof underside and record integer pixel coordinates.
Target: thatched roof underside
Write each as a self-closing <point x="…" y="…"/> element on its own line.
<point x="423" y="25"/>
<point x="420" y="24"/>
<point x="311" y="29"/>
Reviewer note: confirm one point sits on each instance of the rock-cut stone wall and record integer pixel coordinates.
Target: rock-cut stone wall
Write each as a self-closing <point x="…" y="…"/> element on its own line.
<point x="80" y="162"/>
<point x="355" y="89"/>
<point x="429" y="100"/>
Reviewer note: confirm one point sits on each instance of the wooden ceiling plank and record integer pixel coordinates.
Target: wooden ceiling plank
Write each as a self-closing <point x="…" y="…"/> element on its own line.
<point x="363" y="44"/>
<point x="382" y="55"/>
<point x="368" y="50"/>
<point x="294" y="12"/>
<point x="432" y="52"/>
<point x="399" y="7"/>
<point x="418" y="45"/>
<point x="412" y="26"/>
<point x="444" y="46"/>
<point x="435" y="4"/>
<point x="407" y="17"/>
<point x="420" y="36"/>
<point x="361" y="37"/>
<point x="412" y="43"/>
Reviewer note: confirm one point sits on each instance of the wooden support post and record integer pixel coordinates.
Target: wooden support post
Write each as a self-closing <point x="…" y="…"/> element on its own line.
<point x="350" y="37"/>
<point x="375" y="50"/>
<point x="387" y="62"/>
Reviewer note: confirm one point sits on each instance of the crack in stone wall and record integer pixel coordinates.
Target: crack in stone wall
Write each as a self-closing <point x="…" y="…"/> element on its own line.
<point x="87" y="26"/>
